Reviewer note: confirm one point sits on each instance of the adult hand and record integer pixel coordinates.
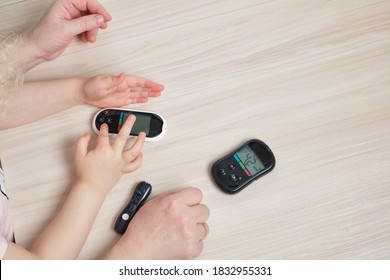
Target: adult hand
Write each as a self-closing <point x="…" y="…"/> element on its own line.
<point x="64" y="20"/>
<point x="171" y="226"/>
<point x="118" y="91"/>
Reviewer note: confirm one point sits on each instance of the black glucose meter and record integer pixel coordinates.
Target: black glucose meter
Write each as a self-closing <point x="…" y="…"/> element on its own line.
<point x="247" y="163"/>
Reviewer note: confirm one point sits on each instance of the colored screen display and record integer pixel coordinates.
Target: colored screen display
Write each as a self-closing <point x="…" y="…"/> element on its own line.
<point x="142" y="122"/>
<point x="249" y="160"/>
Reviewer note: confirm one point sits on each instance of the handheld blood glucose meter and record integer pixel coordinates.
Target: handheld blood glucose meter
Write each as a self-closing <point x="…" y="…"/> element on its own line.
<point x="242" y="166"/>
<point x="151" y="123"/>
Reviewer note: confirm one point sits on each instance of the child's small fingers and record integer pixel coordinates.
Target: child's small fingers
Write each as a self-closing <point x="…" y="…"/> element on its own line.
<point x="132" y="153"/>
<point x="133" y="82"/>
<point x="81" y="149"/>
<point x="134" y="165"/>
<point x="153" y="85"/>
<point x="103" y="136"/>
<point x="123" y="134"/>
<point x="143" y="90"/>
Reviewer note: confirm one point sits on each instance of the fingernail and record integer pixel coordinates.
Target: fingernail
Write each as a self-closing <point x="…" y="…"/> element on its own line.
<point x="99" y="20"/>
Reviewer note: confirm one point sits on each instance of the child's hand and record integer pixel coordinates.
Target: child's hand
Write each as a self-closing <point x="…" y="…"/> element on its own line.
<point x="118" y="91"/>
<point x="103" y="166"/>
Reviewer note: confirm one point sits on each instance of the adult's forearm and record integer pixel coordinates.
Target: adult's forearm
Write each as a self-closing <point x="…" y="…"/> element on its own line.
<point x="18" y="51"/>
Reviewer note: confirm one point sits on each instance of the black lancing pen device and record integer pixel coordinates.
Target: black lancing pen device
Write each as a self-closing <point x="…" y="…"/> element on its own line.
<point x="140" y="194"/>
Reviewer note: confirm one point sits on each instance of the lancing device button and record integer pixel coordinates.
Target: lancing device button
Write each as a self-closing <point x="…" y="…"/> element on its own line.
<point x="125" y="216"/>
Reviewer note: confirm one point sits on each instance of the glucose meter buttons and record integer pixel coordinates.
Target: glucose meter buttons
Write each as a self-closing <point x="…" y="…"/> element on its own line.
<point x="232" y="166"/>
<point x="233" y="177"/>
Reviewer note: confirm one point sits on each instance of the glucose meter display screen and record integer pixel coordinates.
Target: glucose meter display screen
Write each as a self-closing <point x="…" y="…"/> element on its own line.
<point x="142" y="122"/>
<point x="250" y="160"/>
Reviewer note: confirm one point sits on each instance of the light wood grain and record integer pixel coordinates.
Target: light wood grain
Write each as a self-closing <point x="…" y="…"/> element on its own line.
<point x="310" y="78"/>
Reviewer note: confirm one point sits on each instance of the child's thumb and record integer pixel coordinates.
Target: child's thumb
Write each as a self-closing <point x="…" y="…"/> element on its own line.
<point x="81" y="149"/>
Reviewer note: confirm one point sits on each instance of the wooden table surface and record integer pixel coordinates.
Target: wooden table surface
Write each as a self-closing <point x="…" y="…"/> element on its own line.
<point x="310" y="78"/>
